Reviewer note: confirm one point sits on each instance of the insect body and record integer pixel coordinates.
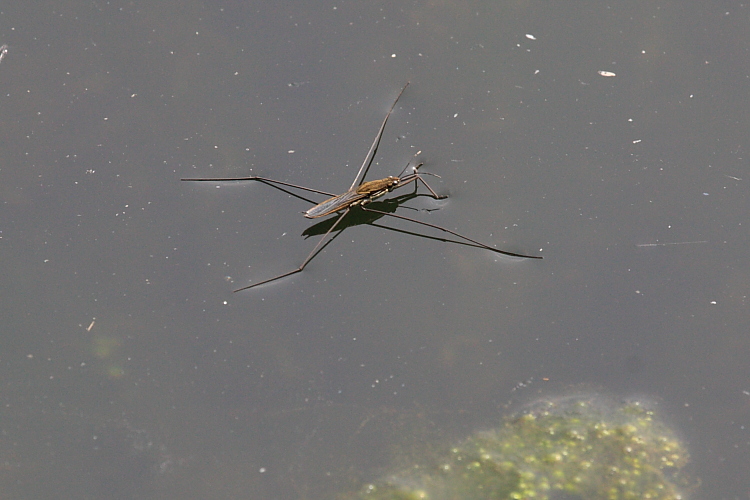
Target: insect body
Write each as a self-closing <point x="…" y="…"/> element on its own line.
<point x="364" y="193"/>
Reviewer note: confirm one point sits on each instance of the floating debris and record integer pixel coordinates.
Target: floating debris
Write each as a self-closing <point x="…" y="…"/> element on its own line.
<point x="606" y="73"/>
<point x="641" y="245"/>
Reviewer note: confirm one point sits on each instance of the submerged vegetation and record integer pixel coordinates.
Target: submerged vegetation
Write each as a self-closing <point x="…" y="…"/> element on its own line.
<point x="579" y="448"/>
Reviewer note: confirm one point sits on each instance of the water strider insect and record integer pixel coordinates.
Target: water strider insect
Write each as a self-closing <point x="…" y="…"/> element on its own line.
<point x="359" y="195"/>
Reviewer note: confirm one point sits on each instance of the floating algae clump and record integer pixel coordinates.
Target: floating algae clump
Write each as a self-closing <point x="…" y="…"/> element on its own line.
<point x="573" y="449"/>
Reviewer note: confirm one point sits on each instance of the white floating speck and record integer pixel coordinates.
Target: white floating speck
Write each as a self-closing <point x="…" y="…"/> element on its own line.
<point x="291" y="151"/>
<point x="606" y="73"/>
<point x="530" y="37"/>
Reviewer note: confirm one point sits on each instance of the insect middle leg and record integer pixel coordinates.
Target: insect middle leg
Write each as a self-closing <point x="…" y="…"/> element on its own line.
<point x="318" y="248"/>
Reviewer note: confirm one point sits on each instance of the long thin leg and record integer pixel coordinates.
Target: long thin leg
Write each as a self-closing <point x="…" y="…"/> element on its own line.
<point x="256" y="178"/>
<point x="287" y="190"/>
<point x="425" y="236"/>
<point x="310" y="256"/>
<point x="437" y="197"/>
<point x="416" y="176"/>
<point x="453" y="233"/>
<point x="374" y="148"/>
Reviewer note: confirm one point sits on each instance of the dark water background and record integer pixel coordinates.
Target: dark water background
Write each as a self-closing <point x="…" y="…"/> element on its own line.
<point x="130" y="370"/>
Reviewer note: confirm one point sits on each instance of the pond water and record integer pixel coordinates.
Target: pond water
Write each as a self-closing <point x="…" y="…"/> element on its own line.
<point x="609" y="139"/>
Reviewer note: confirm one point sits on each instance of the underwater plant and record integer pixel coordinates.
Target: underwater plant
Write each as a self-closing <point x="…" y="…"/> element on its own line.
<point x="575" y="448"/>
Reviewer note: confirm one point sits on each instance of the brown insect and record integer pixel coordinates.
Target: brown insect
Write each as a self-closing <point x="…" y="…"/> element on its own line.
<point x="360" y="194"/>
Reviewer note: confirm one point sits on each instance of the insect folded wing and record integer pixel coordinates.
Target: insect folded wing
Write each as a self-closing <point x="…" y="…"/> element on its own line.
<point x="334" y="204"/>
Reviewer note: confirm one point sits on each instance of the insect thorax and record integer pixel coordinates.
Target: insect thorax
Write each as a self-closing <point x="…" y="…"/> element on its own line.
<point x="371" y="187"/>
